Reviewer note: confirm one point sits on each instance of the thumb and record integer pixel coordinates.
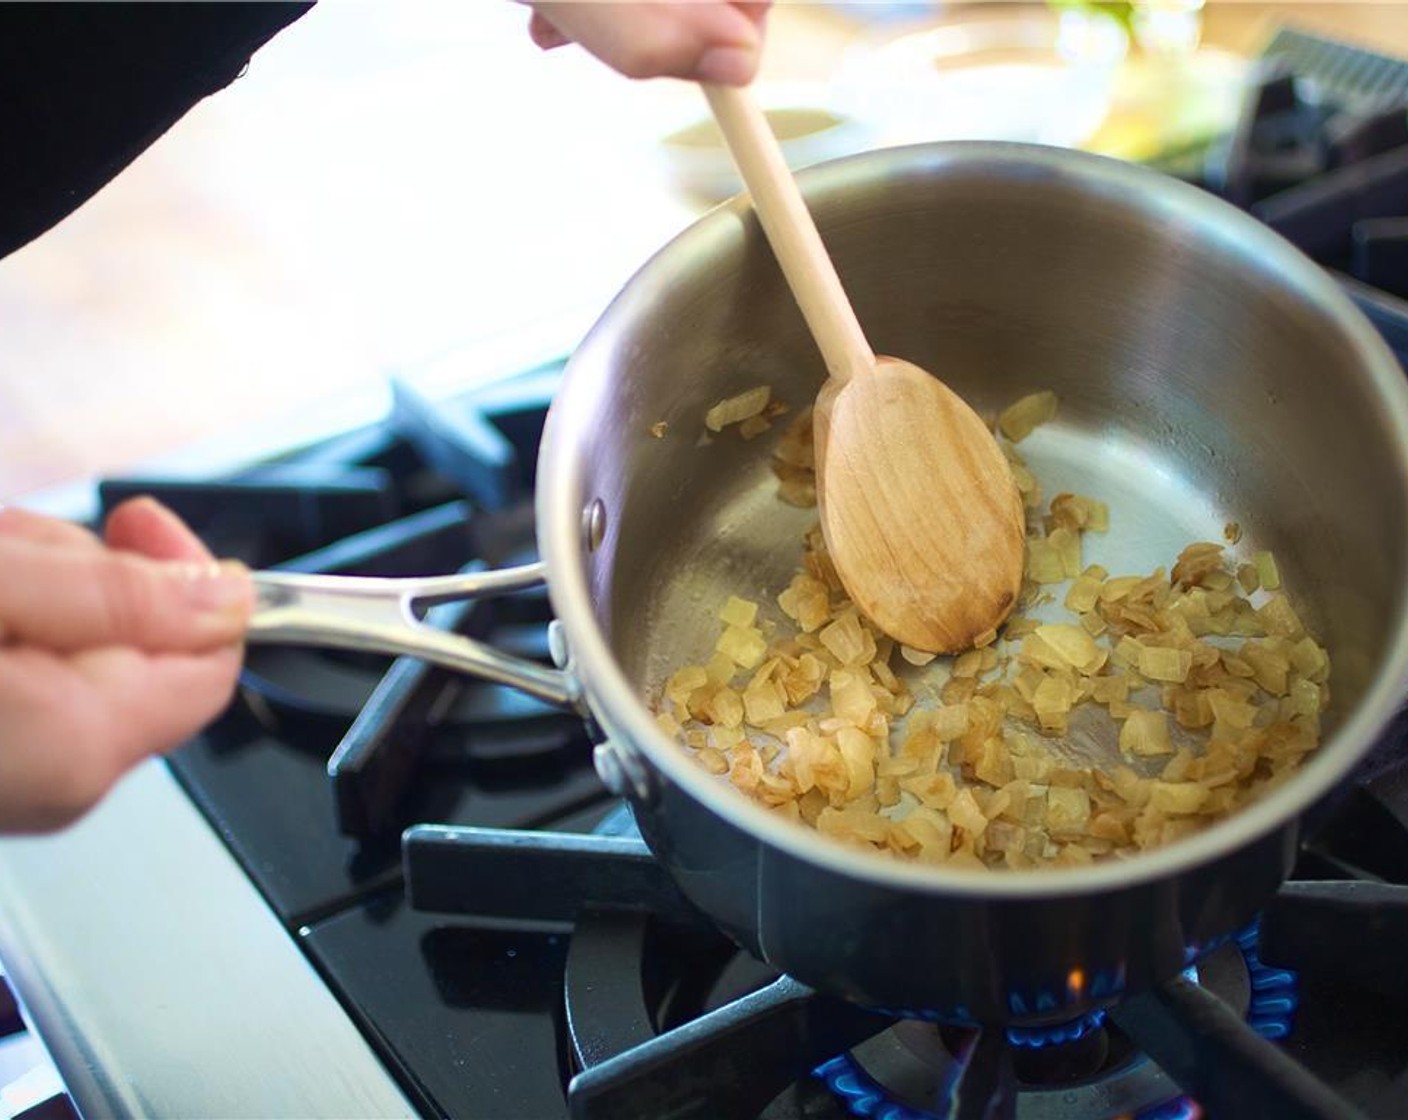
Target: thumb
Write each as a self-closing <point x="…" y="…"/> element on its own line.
<point x="68" y="599"/>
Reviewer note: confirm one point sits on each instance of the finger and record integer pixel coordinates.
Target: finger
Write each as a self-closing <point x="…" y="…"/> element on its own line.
<point x="73" y="726"/>
<point x="23" y="524"/>
<point x="544" y="34"/>
<point x="710" y="42"/>
<point x="146" y="526"/>
<point x="755" y="10"/>
<point x="47" y="776"/>
<point x="66" y="599"/>
<point x="158" y="701"/>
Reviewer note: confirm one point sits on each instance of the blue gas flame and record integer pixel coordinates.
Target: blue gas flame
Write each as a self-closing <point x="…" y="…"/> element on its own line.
<point x="1270" y="1013"/>
<point x="1034" y="1038"/>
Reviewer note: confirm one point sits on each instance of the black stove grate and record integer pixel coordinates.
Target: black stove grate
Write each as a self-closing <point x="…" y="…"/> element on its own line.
<point x="744" y="1054"/>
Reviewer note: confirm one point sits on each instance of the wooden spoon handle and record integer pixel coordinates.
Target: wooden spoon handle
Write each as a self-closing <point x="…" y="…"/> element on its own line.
<point x="792" y="233"/>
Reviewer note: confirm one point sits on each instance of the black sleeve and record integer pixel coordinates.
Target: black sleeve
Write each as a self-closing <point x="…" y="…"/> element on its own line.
<point x="84" y="88"/>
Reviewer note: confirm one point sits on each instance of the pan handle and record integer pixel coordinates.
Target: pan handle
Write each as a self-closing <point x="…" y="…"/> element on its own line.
<point x="374" y="614"/>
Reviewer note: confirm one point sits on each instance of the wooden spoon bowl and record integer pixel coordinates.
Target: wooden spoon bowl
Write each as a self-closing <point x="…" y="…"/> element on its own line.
<point x="910" y="482"/>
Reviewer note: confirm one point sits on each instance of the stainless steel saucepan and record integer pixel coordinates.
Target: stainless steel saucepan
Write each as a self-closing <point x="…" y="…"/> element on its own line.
<point x="1207" y="373"/>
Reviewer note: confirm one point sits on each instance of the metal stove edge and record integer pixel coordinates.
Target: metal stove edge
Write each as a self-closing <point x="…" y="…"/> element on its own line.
<point x="155" y="999"/>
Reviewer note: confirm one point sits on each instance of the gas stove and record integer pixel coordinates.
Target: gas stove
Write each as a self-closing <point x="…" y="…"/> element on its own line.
<point x="374" y="887"/>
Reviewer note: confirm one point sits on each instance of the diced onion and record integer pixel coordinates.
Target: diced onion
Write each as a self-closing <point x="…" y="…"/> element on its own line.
<point x="736" y="409"/>
<point x="1213" y="700"/>
<point x="1020" y="419"/>
<point x="1145" y="733"/>
<point x="738" y="612"/>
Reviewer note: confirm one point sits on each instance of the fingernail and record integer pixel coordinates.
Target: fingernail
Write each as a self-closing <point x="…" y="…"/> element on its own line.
<point x="217" y="587"/>
<point x="729" y="66"/>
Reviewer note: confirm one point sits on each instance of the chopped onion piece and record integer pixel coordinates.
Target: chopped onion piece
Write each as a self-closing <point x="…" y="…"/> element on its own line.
<point x="1309" y="659"/>
<point x="858" y="752"/>
<point x="1060" y="645"/>
<point x="1022" y="417"/>
<point x="968" y="664"/>
<point x="744" y="644"/>
<point x="1044" y="564"/>
<point x="754" y="426"/>
<point x="1165" y="664"/>
<point x="1279" y="617"/>
<point x="762" y="704"/>
<point x="735" y="409"/>
<point x="851" y="697"/>
<point x="1084" y="593"/>
<point x="965" y="812"/>
<point x="1066" y="543"/>
<point x="1177" y="797"/>
<point x="727" y="708"/>
<point x="848" y="641"/>
<point x="1268" y="574"/>
<point x="738" y="612"/>
<point x="1067" y="810"/>
<point x="1053" y="700"/>
<point x="1145" y="733"/>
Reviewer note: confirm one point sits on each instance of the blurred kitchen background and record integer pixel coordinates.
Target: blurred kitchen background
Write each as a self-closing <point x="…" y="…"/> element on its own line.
<point x="413" y="188"/>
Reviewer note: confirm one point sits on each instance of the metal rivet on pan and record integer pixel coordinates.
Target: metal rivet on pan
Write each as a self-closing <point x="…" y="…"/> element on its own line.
<point x="622" y="772"/>
<point x="594" y="525"/>
<point x="608" y="768"/>
<point x="557" y="643"/>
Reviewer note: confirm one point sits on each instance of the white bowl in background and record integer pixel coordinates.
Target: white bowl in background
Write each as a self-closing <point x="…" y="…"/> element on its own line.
<point x="1032" y="74"/>
<point x="808" y="126"/>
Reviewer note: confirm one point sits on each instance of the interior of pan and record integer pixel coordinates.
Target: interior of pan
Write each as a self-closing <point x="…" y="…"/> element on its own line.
<point x="1207" y="377"/>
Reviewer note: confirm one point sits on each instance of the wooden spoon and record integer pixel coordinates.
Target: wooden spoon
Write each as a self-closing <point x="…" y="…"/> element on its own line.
<point x="918" y="506"/>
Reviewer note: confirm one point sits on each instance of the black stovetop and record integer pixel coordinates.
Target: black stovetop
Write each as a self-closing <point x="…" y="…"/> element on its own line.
<point x="489" y="983"/>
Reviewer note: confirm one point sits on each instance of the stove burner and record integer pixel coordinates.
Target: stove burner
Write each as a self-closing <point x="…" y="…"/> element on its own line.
<point x="1181" y="1108"/>
<point x="663" y="1015"/>
<point x="1086" y="1067"/>
<point x="1274" y="990"/>
<point x="1038" y="1038"/>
